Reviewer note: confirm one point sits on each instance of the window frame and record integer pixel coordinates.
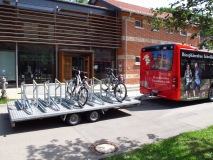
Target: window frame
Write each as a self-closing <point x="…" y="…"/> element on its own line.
<point x="183" y="32"/>
<point x="170" y="30"/>
<point x="140" y="22"/>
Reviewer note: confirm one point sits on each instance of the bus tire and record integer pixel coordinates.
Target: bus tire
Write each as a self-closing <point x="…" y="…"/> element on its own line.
<point x="210" y="95"/>
<point x="73" y="119"/>
<point x="93" y="116"/>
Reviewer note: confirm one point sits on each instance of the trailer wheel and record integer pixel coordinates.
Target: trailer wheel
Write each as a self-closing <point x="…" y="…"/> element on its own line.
<point x="210" y="96"/>
<point x="73" y="119"/>
<point x="93" y="116"/>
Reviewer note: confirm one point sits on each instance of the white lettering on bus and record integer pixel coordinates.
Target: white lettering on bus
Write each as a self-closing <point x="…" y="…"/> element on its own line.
<point x="208" y="56"/>
<point x="160" y="79"/>
<point x="192" y="55"/>
<point x="189" y="55"/>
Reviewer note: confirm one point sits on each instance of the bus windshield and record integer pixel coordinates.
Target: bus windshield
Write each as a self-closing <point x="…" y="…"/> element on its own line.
<point x="160" y="58"/>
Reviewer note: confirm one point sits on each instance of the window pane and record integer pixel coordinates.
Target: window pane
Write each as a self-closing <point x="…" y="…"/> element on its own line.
<point x="36" y="62"/>
<point x="161" y="60"/>
<point x="7" y="65"/>
<point x="103" y="58"/>
<point x="138" y="24"/>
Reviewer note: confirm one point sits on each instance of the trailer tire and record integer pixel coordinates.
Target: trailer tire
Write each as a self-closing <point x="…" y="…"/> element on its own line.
<point x="73" y="119"/>
<point x="93" y="116"/>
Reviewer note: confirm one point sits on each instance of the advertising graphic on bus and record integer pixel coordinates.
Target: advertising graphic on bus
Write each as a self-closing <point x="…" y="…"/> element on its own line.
<point x="176" y="72"/>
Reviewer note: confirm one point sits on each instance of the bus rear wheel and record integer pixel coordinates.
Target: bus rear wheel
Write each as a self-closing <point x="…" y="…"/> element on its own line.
<point x="210" y="97"/>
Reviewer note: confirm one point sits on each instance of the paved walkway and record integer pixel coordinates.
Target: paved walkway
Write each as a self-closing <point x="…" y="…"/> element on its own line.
<point x="129" y="128"/>
<point x="15" y="93"/>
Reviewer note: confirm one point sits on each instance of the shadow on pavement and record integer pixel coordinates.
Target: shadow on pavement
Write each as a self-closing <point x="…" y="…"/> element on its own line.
<point x="161" y="104"/>
<point x="76" y="149"/>
<point x="47" y="123"/>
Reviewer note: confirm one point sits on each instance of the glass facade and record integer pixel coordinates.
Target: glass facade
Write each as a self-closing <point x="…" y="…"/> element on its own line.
<point x="8" y="63"/>
<point x="36" y="62"/>
<point x="103" y="58"/>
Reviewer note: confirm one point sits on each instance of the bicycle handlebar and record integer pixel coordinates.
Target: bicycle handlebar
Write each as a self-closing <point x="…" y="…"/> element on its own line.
<point x="79" y="71"/>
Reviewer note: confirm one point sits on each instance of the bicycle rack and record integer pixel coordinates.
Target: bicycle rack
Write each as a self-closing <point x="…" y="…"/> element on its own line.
<point x="36" y="100"/>
<point x="58" y="85"/>
<point x="24" y="104"/>
<point x="100" y="94"/>
<point x="20" y="106"/>
<point x="50" y="101"/>
<point x="127" y="99"/>
<point x="96" y="96"/>
<point x="66" y="103"/>
<point x="68" y="85"/>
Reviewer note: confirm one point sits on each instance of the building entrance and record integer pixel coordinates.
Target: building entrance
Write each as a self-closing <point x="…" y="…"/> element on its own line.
<point x="78" y="59"/>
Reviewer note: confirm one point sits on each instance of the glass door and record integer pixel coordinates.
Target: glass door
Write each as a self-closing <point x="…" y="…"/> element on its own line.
<point x="81" y="63"/>
<point x="69" y="60"/>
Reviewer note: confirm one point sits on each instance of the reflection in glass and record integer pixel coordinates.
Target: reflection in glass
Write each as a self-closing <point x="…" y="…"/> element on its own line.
<point x="36" y="62"/>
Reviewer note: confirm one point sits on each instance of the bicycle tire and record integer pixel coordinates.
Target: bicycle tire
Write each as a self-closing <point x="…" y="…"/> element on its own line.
<point x="73" y="86"/>
<point x="120" y="91"/>
<point x="82" y="96"/>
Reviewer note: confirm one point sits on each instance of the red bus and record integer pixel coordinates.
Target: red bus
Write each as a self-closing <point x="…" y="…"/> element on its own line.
<point x="177" y="72"/>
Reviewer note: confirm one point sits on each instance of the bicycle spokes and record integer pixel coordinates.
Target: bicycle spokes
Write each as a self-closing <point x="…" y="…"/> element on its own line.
<point x="82" y="96"/>
<point x="120" y="91"/>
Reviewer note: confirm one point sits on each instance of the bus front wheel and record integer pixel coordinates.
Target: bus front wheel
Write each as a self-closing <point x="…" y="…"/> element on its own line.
<point x="210" y="97"/>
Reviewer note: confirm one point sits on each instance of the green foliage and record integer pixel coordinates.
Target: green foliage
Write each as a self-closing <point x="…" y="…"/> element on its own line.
<point x="3" y="100"/>
<point x="81" y="1"/>
<point x="187" y="146"/>
<point x="183" y="14"/>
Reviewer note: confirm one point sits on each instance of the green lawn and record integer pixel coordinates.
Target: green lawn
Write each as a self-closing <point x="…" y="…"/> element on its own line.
<point x="197" y="145"/>
<point x="3" y="100"/>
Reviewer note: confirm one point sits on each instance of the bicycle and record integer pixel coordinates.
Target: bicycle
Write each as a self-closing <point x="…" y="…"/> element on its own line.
<point x="118" y="87"/>
<point x="78" y="87"/>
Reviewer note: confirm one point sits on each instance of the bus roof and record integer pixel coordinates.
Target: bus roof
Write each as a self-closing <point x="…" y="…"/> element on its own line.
<point x="169" y="46"/>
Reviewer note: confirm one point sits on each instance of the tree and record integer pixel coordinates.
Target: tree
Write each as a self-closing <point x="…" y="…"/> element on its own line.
<point x="184" y="14"/>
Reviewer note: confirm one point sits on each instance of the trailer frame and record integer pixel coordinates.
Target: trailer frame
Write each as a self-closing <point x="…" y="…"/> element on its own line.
<point x="18" y="111"/>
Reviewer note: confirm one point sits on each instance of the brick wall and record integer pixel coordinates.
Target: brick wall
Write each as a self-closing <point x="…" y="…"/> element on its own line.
<point x="134" y="39"/>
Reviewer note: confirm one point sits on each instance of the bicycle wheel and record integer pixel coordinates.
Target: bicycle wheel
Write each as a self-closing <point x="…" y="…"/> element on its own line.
<point x="72" y="87"/>
<point x="82" y="96"/>
<point x="120" y="91"/>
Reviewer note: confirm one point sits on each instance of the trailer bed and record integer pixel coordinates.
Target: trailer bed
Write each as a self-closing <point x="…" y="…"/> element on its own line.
<point x="17" y="115"/>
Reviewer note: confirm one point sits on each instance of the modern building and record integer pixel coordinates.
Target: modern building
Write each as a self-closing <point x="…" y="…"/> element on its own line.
<point x="45" y="39"/>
